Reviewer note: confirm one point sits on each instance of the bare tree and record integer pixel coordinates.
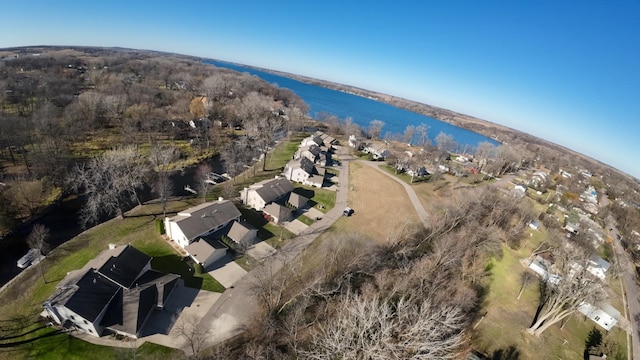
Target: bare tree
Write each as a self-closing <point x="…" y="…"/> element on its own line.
<point x="422" y="131"/>
<point x="110" y="181"/>
<point x="408" y="134"/>
<point x="261" y="122"/>
<point x="37" y="240"/>
<point x="525" y="279"/>
<point x="203" y="184"/>
<point x="375" y="128"/>
<point x="386" y="328"/>
<point x="161" y="158"/>
<point x="236" y="155"/>
<point x="446" y="142"/>
<point x="567" y="286"/>
<point x="188" y="327"/>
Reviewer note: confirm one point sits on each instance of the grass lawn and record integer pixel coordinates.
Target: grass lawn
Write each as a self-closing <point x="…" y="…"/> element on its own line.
<point x="24" y="298"/>
<point x="507" y="315"/>
<point x="324" y="200"/>
<point x="305" y="220"/>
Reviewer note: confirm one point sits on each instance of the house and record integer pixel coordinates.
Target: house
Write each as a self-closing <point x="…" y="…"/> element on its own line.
<point x="315" y="180"/>
<point x="377" y="150"/>
<point x="297" y="201"/>
<point x="299" y="170"/>
<point x="519" y="190"/>
<point x="115" y="293"/>
<point x="198" y="221"/>
<point x="209" y="248"/>
<point x="354" y="142"/>
<point x="534" y="225"/>
<point x="267" y="191"/>
<point x="604" y="315"/>
<point x="598" y="267"/>
<point x="417" y="171"/>
<point x="277" y="213"/>
<point x="206" y="252"/>
<point x="312" y="152"/>
<point x="311" y="140"/>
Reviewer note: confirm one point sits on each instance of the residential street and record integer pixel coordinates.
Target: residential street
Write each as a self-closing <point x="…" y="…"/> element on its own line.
<point x="236" y="308"/>
<point x="627" y="269"/>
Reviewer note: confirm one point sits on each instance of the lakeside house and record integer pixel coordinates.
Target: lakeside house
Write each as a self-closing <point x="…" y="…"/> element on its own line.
<point x="260" y="194"/>
<point x="200" y="230"/>
<point x="115" y="293"/>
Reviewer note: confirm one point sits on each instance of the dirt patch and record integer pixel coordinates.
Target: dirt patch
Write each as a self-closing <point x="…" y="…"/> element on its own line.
<point x="381" y="205"/>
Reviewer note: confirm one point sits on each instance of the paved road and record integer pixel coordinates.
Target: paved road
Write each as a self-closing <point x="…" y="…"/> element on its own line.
<point x="236" y="308"/>
<point x="632" y="291"/>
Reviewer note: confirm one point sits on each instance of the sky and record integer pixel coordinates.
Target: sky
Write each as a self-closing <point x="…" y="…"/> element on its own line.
<point x="567" y="71"/>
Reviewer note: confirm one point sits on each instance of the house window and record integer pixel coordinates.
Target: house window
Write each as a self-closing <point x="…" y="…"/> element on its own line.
<point x="86" y="322"/>
<point x="597" y="318"/>
<point x="72" y="317"/>
<point x="91" y="331"/>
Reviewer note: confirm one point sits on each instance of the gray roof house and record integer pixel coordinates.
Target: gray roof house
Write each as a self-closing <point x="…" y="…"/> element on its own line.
<point x="267" y="191"/>
<point x="299" y="170"/>
<point x="277" y="213"/>
<point x="197" y="221"/>
<point x="296" y="200"/>
<point x="114" y="293"/>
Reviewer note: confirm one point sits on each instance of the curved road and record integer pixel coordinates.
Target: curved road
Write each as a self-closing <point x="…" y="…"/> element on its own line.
<point x="422" y="213"/>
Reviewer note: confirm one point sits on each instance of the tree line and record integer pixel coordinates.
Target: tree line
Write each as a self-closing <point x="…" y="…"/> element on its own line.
<point x="65" y="111"/>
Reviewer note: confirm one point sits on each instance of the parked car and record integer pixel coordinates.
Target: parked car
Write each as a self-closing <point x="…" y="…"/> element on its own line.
<point x="347" y="211"/>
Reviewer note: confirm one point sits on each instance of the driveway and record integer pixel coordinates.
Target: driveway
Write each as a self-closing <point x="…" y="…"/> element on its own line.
<point x="296" y="226"/>
<point x="227" y="273"/>
<point x="261" y="250"/>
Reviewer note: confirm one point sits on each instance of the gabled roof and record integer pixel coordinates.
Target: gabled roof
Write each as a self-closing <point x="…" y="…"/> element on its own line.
<point x="303" y="163"/>
<point x="202" y="249"/>
<point x="124" y="268"/>
<point x="200" y="219"/>
<point x="90" y="295"/>
<point x="238" y="231"/>
<point x="297" y="200"/>
<point x="272" y="189"/>
<point x="277" y="211"/>
<point x="129" y="309"/>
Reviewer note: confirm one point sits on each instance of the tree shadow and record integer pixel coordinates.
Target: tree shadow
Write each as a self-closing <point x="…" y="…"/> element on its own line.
<point x="509" y="353"/>
<point x="593" y="340"/>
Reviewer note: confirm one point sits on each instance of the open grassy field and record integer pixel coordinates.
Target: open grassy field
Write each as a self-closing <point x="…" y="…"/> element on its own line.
<point x="381" y="205"/>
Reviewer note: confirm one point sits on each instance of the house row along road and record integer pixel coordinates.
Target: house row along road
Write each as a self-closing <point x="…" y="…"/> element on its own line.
<point x="237" y="307"/>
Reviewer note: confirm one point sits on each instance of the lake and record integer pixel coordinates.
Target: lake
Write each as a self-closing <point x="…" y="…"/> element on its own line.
<point x="362" y="110"/>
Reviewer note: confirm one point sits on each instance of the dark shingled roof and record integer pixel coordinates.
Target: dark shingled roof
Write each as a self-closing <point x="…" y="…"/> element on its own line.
<point x="200" y="219"/>
<point x="93" y="293"/>
<point x="272" y="190"/>
<point x="125" y="268"/>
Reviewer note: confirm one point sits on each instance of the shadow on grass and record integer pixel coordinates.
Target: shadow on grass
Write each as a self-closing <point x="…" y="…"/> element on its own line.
<point x="177" y="265"/>
<point x="510" y="353"/>
<point x="308" y="193"/>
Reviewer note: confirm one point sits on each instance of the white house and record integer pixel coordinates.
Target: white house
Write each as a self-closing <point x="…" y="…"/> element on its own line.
<point x="598" y="267"/>
<point x="114" y="293"/>
<point x="299" y="170"/>
<point x="267" y="191"/>
<point x="198" y="221"/>
<point x="604" y="315"/>
<point x="377" y="150"/>
<point x="311" y="140"/>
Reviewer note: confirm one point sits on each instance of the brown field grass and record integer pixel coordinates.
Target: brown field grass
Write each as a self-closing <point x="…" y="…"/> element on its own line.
<point x="381" y="205"/>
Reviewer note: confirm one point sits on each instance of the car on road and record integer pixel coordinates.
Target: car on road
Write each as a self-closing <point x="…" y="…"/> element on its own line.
<point x="347" y="211"/>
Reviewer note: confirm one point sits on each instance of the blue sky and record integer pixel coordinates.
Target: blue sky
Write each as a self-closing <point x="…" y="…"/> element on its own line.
<point x="566" y="71"/>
